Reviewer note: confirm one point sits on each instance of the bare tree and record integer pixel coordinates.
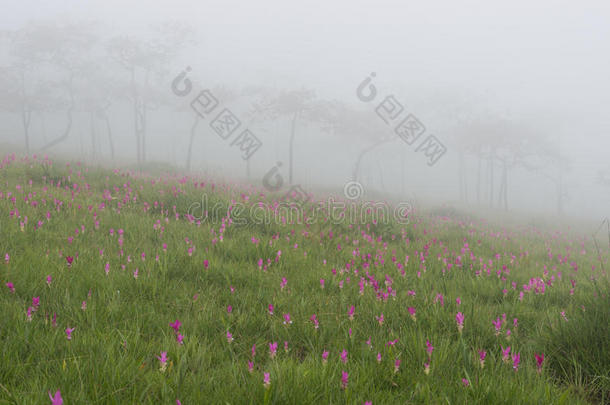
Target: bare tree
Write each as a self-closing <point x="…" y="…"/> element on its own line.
<point x="57" y="50"/>
<point x="147" y="62"/>
<point x="296" y="105"/>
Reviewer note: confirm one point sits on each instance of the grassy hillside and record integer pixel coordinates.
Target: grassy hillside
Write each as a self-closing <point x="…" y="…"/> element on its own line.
<point x="95" y="264"/>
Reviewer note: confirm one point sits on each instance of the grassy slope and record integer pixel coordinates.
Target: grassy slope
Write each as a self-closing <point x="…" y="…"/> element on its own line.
<point x="111" y="357"/>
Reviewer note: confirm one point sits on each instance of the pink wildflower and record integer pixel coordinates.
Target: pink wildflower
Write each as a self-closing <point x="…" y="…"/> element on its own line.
<point x="272" y="349"/>
<point x="429" y="348"/>
<point x="56" y="399"/>
<point x="505" y="353"/>
<point x="482" y="354"/>
<point x="380" y="319"/>
<point x="163" y="361"/>
<point x="516" y="361"/>
<point x="498" y="325"/>
<point x="344" y="379"/>
<point x="175" y="325"/>
<point x="539" y="360"/>
<point x="314" y="319"/>
<point x="266" y="380"/>
<point x="69" y="333"/>
<point x="459" y="318"/>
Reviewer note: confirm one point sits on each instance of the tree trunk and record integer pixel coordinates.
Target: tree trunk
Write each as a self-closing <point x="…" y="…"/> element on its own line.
<point x="355" y="172"/>
<point x="505" y="187"/>
<point x="144" y="118"/>
<point x="560" y="190"/>
<point x="479" y="180"/>
<point x="491" y="179"/>
<point x="134" y="92"/>
<point x="43" y="127"/>
<point x="503" y="192"/>
<point x="291" y="146"/>
<point x="69" y="124"/>
<point x="26" y="115"/>
<point x="190" y="150"/>
<point x="109" y="132"/>
<point x="93" y="135"/>
<point x="461" y="176"/>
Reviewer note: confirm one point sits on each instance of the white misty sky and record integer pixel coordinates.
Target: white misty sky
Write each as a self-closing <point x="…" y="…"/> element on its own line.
<point x="544" y="61"/>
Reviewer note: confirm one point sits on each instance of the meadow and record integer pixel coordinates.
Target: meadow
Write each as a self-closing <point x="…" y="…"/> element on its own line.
<point x="112" y="291"/>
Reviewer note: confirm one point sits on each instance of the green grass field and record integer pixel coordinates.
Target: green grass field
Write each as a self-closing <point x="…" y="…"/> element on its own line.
<point x="140" y="261"/>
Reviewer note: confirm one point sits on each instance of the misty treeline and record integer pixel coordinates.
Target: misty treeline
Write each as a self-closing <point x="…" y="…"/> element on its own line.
<point x="63" y="69"/>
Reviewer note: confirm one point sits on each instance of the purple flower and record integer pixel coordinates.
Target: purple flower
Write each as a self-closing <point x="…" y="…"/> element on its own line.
<point x="272" y="349"/>
<point x="380" y="319"/>
<point x="344" y="379"/>
<point x="56" y="399"/>
<point x="176" y="325"/>
<point x="163" y="361"/>
<point x="324" y="356"/>
<point x="412" y="313"/>
<point x="482" y="354"/>
<point x="505" y="353"/>
<point x="69" y="333"/>
<point x="459" y="318"/>
<point x="314" y="319"/>
<point x="516" y="361"/>
<point x="539" y="360"/>
<point x="429" y="347"/>
<point x="266" y="380"/>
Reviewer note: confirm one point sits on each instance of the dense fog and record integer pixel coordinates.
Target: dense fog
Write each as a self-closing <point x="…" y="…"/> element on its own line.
<point x="486" y="106"/>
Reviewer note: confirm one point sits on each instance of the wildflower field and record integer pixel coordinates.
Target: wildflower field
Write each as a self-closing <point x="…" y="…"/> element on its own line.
<point x="114" y="291"/>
